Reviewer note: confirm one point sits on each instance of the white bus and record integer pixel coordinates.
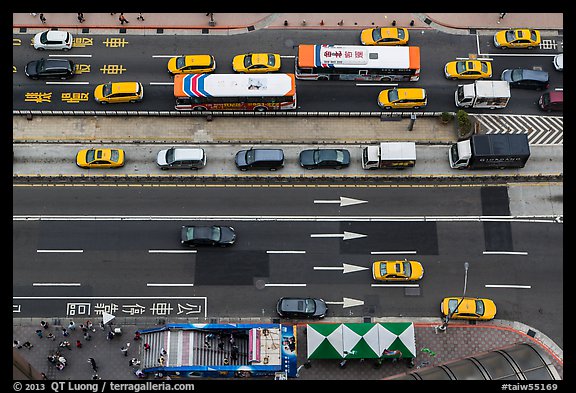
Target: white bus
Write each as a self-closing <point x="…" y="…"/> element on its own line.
<point x="234" y="92"/>
<point x="359" y="63"/>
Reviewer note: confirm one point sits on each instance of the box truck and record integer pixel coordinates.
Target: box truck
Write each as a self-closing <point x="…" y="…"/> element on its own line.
<point x="393" y="155"/>
<point x="490" y="151"/>
<point x="483" y="94"/>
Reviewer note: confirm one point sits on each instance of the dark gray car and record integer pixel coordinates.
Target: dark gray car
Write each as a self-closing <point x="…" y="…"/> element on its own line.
<point x="526" y="79"/>
<point x="50" y="69"/>
<point x="214" y="235"/>
<point x="294" y="307"/>
<point x="270" y="159"/>
<point x="324" y="158"/>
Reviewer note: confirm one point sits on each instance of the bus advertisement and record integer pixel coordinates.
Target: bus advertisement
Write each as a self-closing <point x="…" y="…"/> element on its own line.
<point x="358" y="63"/>
<point x="260" y="93"/>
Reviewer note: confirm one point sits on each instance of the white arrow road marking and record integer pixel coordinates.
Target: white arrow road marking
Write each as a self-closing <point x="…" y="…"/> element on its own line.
<point x="346" y="268"/>
<point x="343" y="201"/>
<point x="106" y="317"/>
<point x="347" y="302"/>
<point x="344" y="236"/>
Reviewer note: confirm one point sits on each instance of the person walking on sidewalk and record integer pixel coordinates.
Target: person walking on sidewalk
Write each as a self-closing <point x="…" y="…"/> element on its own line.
<point x="39" y="333"/>
<point x="124" y="350"/>
<point x="72" y="325"/>
<point x="140" y="17"/>
<point x="87" y="336"/>
<point x="93" y="364"/>
<point x="42" y="19"/>
<point x="502" y="15"/>
<point x="81" y="17"/>
<point x="65" y="332"/>
<point x="51" y="336"/>
<point x="122" y="19"/>
<point x="44" y="324"/>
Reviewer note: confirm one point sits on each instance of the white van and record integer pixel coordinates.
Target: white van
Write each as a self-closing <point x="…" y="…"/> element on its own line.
<point x="181" y="158"/>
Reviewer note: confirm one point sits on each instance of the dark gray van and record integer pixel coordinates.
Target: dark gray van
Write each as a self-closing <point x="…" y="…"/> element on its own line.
<point x="181" y="158"/>
<point x="526" y="79"/>
<point x="270" y="159"/>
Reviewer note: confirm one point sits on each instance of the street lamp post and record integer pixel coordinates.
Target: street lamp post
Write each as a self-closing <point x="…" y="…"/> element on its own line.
<point x="444" y="325"/>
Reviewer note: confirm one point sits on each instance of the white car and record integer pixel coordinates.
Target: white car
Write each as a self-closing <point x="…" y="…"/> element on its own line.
<point x="559" y="62"/>
<point x="53" y="40"/>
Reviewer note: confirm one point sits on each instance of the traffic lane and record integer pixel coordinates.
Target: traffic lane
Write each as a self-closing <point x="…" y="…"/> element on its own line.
<point x="309" y="202"/>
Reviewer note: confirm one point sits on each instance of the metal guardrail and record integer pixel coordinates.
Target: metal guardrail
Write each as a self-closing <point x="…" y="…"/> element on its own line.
<point x="383" y="115"/>
<point x="300" y="178"/>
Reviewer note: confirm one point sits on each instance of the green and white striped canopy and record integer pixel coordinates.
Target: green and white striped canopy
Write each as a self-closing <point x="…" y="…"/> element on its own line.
<point x="361" y="340"/>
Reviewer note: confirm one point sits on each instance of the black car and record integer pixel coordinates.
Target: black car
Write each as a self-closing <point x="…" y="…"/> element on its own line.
<point x="295" y="307"/>
<point x="214" y="235"/>
<point x="50" y="69"/>
<point x="325" y="158"/>
<point x="526" y="79"/>
<point x="271" y="159"/>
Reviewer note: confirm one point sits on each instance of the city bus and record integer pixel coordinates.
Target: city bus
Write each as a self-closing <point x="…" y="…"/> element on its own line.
<point x="358" y="63"/>
<point x="260" y="93"/>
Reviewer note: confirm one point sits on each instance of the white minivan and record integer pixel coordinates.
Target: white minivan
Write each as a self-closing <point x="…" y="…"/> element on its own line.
<point x="181" y="158"/>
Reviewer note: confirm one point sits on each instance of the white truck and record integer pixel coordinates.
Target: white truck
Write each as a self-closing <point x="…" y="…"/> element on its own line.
<point x="393" y="155"/>
<point x="483" y="94"/>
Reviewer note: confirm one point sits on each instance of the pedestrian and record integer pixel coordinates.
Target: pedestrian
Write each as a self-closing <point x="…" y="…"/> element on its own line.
<point x="90" y="326"/>
<point x="207" y="344"/>
<point x="163" y="352"/>
<point x="110" y="335"/>
<point x="16" y="344"/>
<point x="87" y="336"/>
<point x="122" y="19"/>
<point x="221" y="345"/>
<point x="72" y="325"/>
<point x="44" y="324"/>
<point x="93" y="364"/>
<point x="44" y="377"/>
<point x="502" y="15"/>
<point x="65" y="344"/>
<point x="42" y="19"/>
<point x="102" y="326"/>
<point x="124" y="350"/>
<point x="27" y="345"/>
<point x="146" y="346"/>
<point x="84" y="328"/>
<point x="95" y="376"/>
<point x="51" y="336"/>
<point x="137" y="336"/>
<point x="140" y="17"/>
<point x="134" y="362"/>
<point x="65" y="332"/>
<point x="81" y="17"/>
<point x="78" y="344"/>
<point x="39" y="333"/>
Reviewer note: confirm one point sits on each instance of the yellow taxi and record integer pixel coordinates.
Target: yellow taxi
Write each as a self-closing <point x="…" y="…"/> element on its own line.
<point x="255" y="63"/>
<point x="471" y="308"/>
<point x="191" y="64"/>
<point x="517" y="38"/>
<point x="100" y="158"/>
<point x="385" y="36"/>
<point x="397" y="270"/>
<point x="410" y="97"/>
<point x="468" y="69"/>
<point x="119" y="92"/>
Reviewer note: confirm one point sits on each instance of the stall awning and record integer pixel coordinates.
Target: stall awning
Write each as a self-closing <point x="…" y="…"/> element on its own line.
<point x="361" y="340"/>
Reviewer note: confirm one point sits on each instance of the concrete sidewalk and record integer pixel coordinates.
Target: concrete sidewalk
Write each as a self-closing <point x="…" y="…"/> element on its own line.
<point x="218" y="22"/>
<point x="460" y="340"/>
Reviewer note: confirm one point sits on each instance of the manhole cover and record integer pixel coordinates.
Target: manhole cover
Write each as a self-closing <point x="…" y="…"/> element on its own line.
<point x="260" y="284"/>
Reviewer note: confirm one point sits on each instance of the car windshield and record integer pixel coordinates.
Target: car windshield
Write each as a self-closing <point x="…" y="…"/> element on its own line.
<point x="401" y="34"/>
<point x="41" y="66"/>
<point x="247" y="61"/>
<point x="484" y="66"/>
<point x="533" y="36"/>
<point x="114" y="155"/>
<point x="107" y="89"/>
<point x="90" y="155"/>
<point x="517" y="74"/>
<point x="44" y="37"/>
<point x="393" y="95"/>
<point x="376" y="34"/>
<point x="180" y="62"/>
<point x="510" y="35"/>
<point x="250" y="156"/>
<point x="170" y="156"/>
<point x="407" y="268"/>
<point x="460" y="67"/>
<point x="479" y="307"/>
<point x="310" y="306"/>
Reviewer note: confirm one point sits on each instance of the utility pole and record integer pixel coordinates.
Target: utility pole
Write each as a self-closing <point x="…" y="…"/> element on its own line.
<point x="444" y="325"/>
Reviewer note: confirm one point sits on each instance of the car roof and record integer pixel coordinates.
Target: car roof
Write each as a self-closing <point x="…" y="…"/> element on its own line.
<point x="556" y="95"/>
<point x="56" y="34"/>
<point x="535" y="75"/>
<point x="198" y="60"/>
<point x="411" y="92"/>
<point x="188" y="154"/>
<point x="294" y="304"/>
<point x="268" y="154"/>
